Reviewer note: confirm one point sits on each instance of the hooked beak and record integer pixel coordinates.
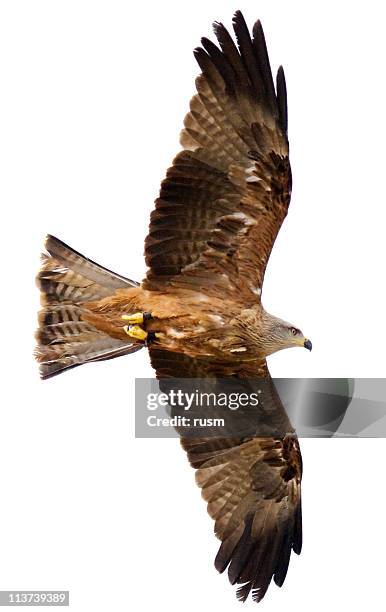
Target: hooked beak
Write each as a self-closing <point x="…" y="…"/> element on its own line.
<point x="308" y="344"/>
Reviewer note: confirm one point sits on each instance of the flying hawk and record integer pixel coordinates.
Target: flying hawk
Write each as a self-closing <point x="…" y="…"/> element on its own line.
<point x="199" y="309"/>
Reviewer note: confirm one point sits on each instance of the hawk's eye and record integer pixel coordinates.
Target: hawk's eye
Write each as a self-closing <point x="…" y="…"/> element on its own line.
<point x="294" y="331"/>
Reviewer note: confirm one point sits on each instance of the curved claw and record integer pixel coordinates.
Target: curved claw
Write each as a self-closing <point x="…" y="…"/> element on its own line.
<point x="134" y="331"/>
<point x="152" y="336"/>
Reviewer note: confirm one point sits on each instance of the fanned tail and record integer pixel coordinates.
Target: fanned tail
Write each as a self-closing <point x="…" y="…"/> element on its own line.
<point x="67" y="281"/>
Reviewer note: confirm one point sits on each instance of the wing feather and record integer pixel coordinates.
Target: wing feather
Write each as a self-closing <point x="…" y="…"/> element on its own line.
<point x="248" y="55"/>
<point x="224" y="199"/>
<point x="251" y="484"/>
<point x="282" y="98"/>
<point x="262" y="58"/>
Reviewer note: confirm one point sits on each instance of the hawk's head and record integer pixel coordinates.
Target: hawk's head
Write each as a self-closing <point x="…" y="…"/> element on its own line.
<point x="279" y="334"/>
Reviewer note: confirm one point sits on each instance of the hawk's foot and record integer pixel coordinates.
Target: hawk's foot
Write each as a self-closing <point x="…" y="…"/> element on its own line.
<point x="135" y="331"/>
<point x="138" y="318"/>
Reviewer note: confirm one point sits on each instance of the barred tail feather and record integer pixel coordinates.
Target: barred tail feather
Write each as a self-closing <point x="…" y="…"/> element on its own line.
<point x="67" y="281"/>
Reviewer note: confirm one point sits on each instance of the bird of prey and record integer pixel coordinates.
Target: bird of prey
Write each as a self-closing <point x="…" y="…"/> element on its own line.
<point x="199" y="310"/>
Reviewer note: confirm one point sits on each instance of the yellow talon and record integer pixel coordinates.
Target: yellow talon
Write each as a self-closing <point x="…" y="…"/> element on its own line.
<point x="134" y="319"/>
<point x="134" y="331"/>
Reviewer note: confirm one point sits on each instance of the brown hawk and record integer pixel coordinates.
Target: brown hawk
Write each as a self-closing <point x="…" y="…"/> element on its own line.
<point x="199" y="309"/>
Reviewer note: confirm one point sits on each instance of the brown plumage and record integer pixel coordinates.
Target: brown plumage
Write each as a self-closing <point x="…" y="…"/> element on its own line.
<point x="211" y="233"/>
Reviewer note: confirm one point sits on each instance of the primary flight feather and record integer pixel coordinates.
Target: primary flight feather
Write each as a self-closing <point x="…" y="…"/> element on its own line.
<point x="199" y="309"/>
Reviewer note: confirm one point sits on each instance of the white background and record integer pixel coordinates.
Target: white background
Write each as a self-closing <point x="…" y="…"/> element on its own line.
<point x="93" y="95"/>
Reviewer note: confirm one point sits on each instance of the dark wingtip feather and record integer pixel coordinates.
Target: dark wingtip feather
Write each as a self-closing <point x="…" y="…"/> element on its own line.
<point x="258" y="594"/>
<point x="284" y="556"/>
<point x="201" y="58"/>
<point x="264" y="64"/>
<point x="221" y="561"/>
<point x="219" y="60"/>
<point x="281" y="88"/>
<point x="249" y="56"/>
<point x="240" y="26"/>
<point x="243" y="592"/>
<point x="232" y="57"/>
<point x="238" y="16"/>
<point x="217" y="25"/>
<point x="298" y="530"/>
<point x="244" y="67"/>
<point x="242" y="552"/>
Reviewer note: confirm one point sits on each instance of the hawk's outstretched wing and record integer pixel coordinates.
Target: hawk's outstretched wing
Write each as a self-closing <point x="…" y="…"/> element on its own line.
<point x="225" y="197"/>
<point x="250" y="482"/>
